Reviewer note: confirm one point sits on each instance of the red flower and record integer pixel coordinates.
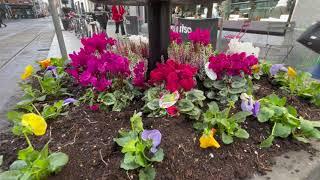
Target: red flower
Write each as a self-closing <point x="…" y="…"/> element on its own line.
<point x="232" y="65"/>
<point x="175" y="76"/>
<point x="172" y="111"/>
<point x="175" y="37"/>
<point x="94" y="107"/>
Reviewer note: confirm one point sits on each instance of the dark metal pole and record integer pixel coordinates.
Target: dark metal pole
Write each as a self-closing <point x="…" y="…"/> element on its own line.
<point x="158" y="24"/>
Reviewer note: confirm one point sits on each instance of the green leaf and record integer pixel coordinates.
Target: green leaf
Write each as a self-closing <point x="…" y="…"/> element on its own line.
<point x="265" y="114"/>
<point x="292" y="111"/>
<point x="130" y="146"/>
<point x="200" y="126"/>
<point x="140" y="159"/>
<point x="42" y="98"/>
<point x="195" y="95"/>
<point x="185" y="105"/>
<point x="276" y="100"/>
<point x="152" y="93"/>
<point x="241" y="116"/>
<point x="223" y="92"/>
<point x="267" y="142"/>
<point x="57" y="161"/>
<point x="14" y="116"/>
<point x="236" y="90"/>
<point x="129" y="166"/>
<point x="195" y="113"/>
<point x="147" y="173"/>
<point x="281" y="130"/>
<point x="208" y="83"/>
<point x="153" y="105"/>
<point x="241" y="133"/>
<point x="109" y="99"/>
<point x="158" y="156"/>
<point x="1" y="159"/>
<point x="213" y="107"/>
<point x="226" y="139"/>
<point x="279" y="111"/>
<point x="11" y="175"/>
<point x="306" y="126"/>
<point x="18" y="164"/>
<point x="239" y="83"/>
<point x="210" y="94"/>
<point x="136" y="122"/>
<point x="129" y="158"/>
<point x="25" y="154"/>
<point x="219" y="85"/>
<point x="125" y="140"/>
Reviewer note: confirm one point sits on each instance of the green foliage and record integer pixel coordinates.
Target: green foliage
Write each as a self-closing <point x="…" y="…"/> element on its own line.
<point x="135" y="148"/>
<point x="302" y="85"/>
<point x="227" y="126"/>
<point x="33" y="164"/>
<point x="190" y="104"/>
<point x="227" y="89"/>
<point x="53" y="111"/>
<point x="118" y="99"/>
<point x="285" y="121"/>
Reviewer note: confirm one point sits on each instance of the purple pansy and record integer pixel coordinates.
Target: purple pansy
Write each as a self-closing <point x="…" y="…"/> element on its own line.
<point x="69" y="101"/>
<point x="53" y="69"/>
<point x="153" y="135"/>
<point x="249" y="105"/>
<point x="256" y="108"/>
<point x="276" y="68"/>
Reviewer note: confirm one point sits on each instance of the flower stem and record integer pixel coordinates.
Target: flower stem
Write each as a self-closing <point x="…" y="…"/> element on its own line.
<point x="28" y="140"/>
<point x="39" y="80"/>
<point x="34" y="107"/>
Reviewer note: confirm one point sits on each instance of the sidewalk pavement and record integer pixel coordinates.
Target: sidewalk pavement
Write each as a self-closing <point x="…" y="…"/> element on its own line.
<point x="71" y="41"/>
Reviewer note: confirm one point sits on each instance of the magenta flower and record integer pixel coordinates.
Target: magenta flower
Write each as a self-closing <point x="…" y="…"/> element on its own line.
<point x="94" y="107"/>
<point x="154" y="136"/>
<point x="139" y="75"/>
<point x="97" y="42"/>
<point x="175" y="37"/>
<point x="200" y="36"/>
<point x="232" y="65"/>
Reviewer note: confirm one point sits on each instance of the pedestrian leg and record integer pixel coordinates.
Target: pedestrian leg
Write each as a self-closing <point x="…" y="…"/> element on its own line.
<point x="117" y="27"/>
<point x="122" y="29"/>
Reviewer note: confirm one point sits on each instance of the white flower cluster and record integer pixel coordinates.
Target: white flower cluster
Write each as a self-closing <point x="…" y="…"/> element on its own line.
<point x="137" y="39"/>
<point x="235" y="46"/>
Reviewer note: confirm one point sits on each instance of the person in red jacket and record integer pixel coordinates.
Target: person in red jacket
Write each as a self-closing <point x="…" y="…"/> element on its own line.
<point x="117" y="15"/>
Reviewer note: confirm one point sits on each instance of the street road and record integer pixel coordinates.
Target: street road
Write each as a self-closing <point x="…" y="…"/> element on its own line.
<point x="22" y="42"/>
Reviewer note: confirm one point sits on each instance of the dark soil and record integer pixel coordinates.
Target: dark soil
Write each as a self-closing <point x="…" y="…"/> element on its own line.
<point x="87" y="137"/>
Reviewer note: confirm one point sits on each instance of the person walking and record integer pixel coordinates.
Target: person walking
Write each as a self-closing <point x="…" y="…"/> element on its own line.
<point x="101" y="15"/>
<point x="1" y="22"/>
<point x="118" y="12"/>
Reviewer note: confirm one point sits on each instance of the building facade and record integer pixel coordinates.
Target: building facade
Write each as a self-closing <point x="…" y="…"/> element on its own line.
<point x="16" y="9"/>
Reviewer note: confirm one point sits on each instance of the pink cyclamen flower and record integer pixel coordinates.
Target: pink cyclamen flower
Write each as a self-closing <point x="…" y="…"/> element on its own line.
<point x="175" y="37"/>
<point x="200" y="36"/>
<point x="139" y="75"/>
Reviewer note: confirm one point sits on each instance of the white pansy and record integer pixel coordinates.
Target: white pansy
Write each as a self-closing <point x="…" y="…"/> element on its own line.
<point x="235" y="46"/>
<point x="210" y="73"/>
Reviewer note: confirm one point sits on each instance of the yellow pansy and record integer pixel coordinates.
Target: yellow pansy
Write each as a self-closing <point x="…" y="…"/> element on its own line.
<point x="256" y="68"/>
<point x="207" y="140"/>
<point x="27" y="72"/>
<point x="291" y="72"/>
<point x="45" y="63"/>
<point x="35" y="122"/>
